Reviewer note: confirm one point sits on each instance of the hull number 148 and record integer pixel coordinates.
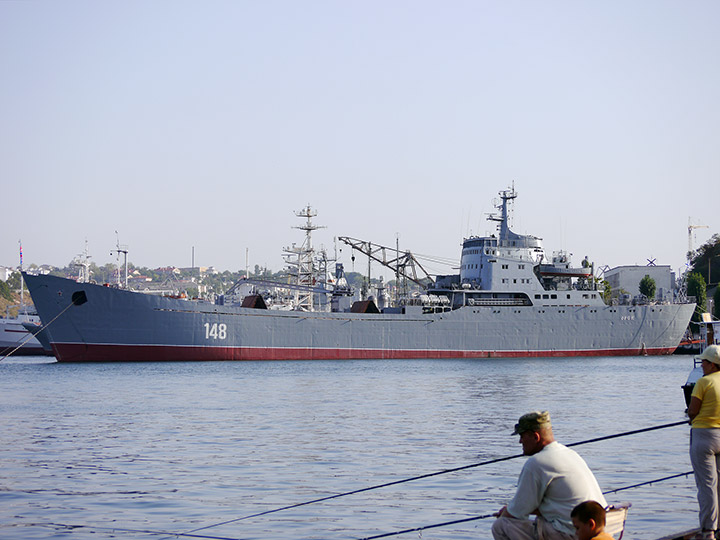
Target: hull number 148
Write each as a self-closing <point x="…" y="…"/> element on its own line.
<point x="215" y="331"/>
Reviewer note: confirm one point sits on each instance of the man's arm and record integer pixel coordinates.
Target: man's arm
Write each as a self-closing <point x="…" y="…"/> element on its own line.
<point x="503" y="512"/>
<point x="694" y="408"/>
<point x="530" y="491"/>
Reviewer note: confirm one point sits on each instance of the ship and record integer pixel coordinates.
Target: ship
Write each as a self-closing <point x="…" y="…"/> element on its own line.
<point x="16" y="339"/>
<point x="509" y="299"/>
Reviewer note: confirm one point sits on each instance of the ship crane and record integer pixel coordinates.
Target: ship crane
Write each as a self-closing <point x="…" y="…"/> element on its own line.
<point x="277" y="285"/>
<point x="403" y="264"/>
<point x="691" y="228"/>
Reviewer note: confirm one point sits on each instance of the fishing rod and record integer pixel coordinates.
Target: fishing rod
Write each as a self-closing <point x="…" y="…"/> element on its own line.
<point x="190" y="534"/>
<point x="649" y="482"/>
<point x="78" y="299"/>
<point x="626" y="433"/>
<point x="475" y="518"/>
<point x="429" y="475"/>
<point x="356" y="491"/>
<point x="425" y="527"/>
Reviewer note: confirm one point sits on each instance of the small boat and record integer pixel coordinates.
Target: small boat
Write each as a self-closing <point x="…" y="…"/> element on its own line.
<point x="15" y="338"/>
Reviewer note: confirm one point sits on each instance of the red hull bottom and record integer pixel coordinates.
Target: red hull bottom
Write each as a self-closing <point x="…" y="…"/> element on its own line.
<point x="80" y="352"/>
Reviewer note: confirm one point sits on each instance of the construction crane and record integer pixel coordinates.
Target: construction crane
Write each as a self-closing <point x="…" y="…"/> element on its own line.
<point x="691" y="228"/>
<point x="403" y="264"/>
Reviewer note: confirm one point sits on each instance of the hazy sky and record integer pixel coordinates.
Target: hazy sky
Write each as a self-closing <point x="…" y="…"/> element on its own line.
<point x="208" y="124"/>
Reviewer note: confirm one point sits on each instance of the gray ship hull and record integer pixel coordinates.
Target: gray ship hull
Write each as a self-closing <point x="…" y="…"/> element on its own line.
<point x="117" y="325"/>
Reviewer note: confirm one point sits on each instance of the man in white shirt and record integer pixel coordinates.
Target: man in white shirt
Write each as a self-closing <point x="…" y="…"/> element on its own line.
<point x="552" y="482"/>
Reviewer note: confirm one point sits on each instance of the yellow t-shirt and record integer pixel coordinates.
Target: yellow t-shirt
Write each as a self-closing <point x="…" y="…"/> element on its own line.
<point x="707" y="389"/>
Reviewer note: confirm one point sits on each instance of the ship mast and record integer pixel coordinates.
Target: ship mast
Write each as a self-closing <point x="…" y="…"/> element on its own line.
<point x="82" y="262"/>
<point x="22" y="282"/>
<point x="503" y="227"/>
<point x="124" y="250"/>
<point x="301" y="260"/>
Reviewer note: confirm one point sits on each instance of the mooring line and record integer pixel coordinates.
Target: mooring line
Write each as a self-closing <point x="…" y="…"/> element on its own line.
<point x="30" y="336"/>
<point x="23" y="342"/>
<point x="429" y="475"/>
<point x="78" y="299"/>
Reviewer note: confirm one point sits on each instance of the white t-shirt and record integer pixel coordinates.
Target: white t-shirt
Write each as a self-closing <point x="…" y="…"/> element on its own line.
<point x="554" y="481"/>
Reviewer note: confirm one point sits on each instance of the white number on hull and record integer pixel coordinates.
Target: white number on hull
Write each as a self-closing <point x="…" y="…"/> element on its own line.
<point x="215" y="331"/>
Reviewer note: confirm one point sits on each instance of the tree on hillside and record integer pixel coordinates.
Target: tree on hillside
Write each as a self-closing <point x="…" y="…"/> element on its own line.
<point x="647" y="286"/>
<point x="716" y="303"/>
<point x="14" y="281"/>
<point x="5" y="291"/>
<point x="696" y="288"/>
<point x="706" y="260"/>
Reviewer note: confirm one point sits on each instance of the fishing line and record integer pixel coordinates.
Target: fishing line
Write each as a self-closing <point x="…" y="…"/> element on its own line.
<point x="143" y="531"/>
<point x="429" y="475"/>
<point x="361" y="490"/>
<point x="190" y="534"/>
<point x="417" y="529"/>
<point x="649" y="483"/>
<point x="485" y="516"/>
<point x="77" y="300"/>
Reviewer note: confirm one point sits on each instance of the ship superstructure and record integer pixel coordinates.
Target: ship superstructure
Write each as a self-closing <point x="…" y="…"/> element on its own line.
<point x="512" y="269"/>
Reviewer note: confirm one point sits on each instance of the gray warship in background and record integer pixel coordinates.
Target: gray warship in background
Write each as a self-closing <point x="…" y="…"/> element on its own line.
<point x="509" y="300"/>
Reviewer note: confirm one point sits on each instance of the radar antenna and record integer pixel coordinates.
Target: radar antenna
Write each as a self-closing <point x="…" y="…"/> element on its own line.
<point x="503" y="227"/>
<point x="124" y="250"/>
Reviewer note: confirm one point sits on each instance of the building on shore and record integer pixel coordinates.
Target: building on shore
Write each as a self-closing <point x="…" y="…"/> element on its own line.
<point x="626" y="280"/>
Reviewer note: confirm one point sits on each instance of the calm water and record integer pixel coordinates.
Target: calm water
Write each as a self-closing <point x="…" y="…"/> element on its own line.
<point x="104" y="451"/>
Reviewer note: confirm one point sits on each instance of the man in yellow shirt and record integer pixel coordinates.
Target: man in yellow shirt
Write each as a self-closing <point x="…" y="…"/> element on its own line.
<point x="704" y="413"/>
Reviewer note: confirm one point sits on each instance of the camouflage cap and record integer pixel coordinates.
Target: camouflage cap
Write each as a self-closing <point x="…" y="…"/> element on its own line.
<point x="532" y="421"/>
